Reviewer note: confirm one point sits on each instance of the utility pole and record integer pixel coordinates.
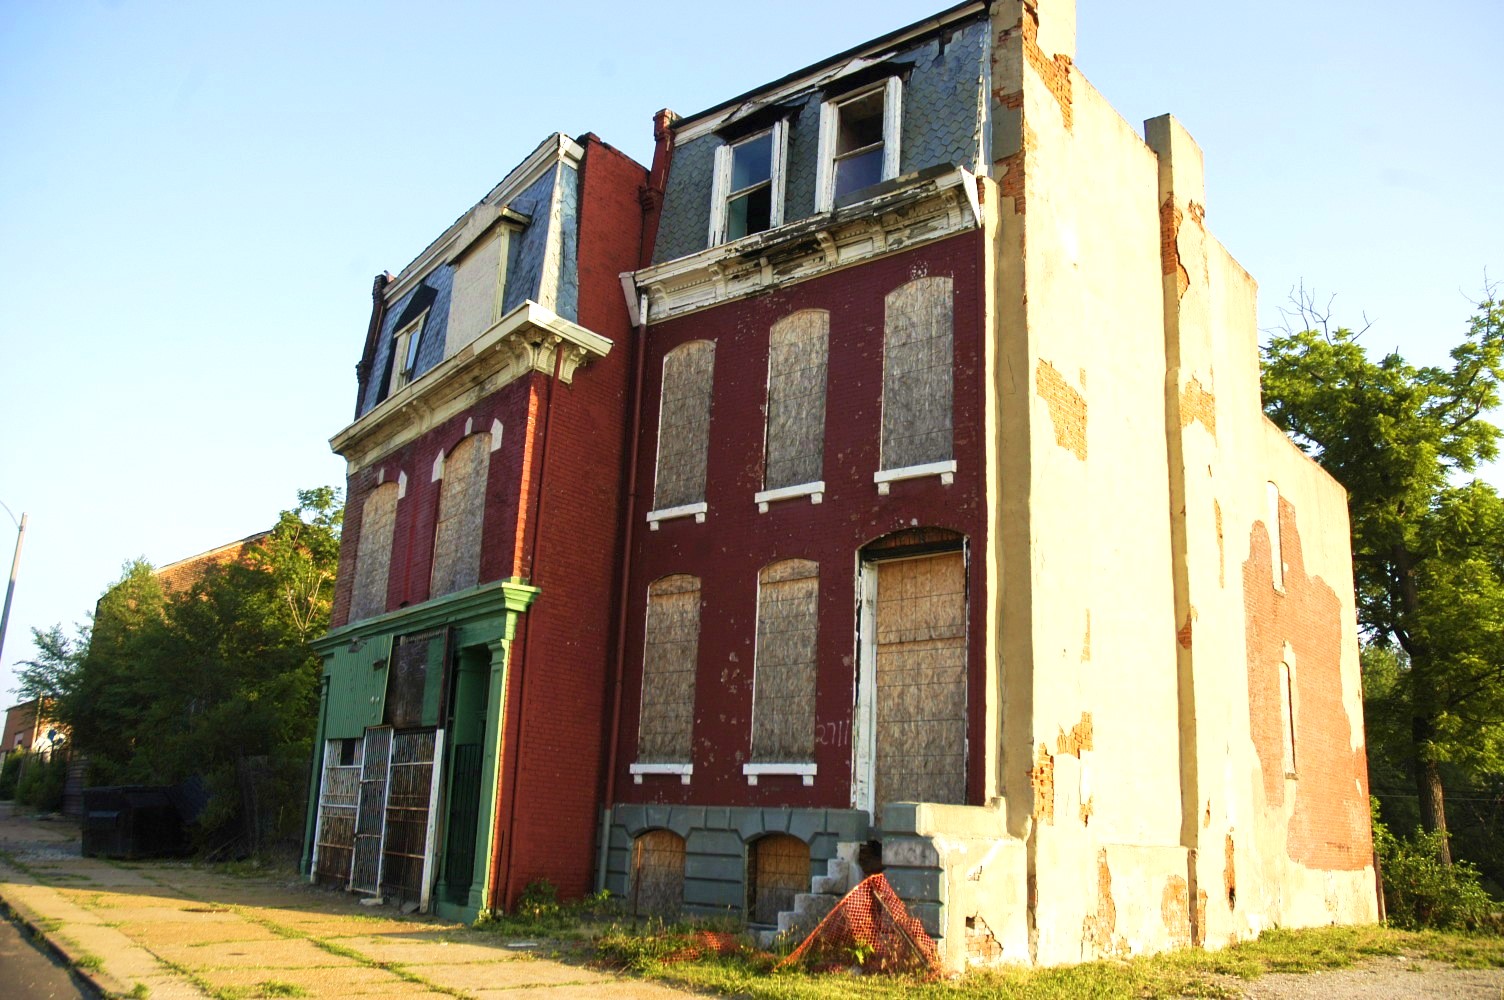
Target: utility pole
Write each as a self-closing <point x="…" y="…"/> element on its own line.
<point x="15" y="564"/>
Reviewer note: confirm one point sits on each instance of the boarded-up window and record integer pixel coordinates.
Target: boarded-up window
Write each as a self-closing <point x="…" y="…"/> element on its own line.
<point x="684" y="425"/>
<point x="1287" y="716"/>
<point x="668" y="670"/>
<point x="783" y="699"/>
<point x="658" y="874"/>
<point x="777" y="871"/>
<point x="413" y="687"/>
<point x="921" y="680"/>
<point x="462" y="506"/>
<point x="373" y="555"/>
<point x="917" y="383"/>
<point x="797" y="348"/>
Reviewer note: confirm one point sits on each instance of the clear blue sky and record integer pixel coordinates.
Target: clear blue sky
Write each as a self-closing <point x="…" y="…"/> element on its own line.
<point x="194" y="198"/>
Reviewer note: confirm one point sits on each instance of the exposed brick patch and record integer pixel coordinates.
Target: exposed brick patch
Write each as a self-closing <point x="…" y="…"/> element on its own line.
<point x="1221" y="546"/>
<point x="1087" y="810"/>
<point x="1077" y="740"/>
<point x="1329" y="825"/>
<point x="1196" y="403"/>
<point x="1054" y="71"/>
<point x="1067" y="408"/>
<point x="1183" y="634"/>
<point x="1100" y="929"/>
<point x="1170" y="218"/>
<point x="1175" y="909"/>
<point x="982" y="947"/>
<point x="1230" y="874"/>
<point x="1042" y="780"/>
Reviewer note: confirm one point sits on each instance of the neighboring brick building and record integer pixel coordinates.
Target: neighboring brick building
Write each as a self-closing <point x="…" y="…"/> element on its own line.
<point x="929" y="519"/>
<point x="465" y="672"/>
<point x="26" y="728"/>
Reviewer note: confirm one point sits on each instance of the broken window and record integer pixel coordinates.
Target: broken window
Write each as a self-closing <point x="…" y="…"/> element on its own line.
<point x="1287" y="717"/>
<point x="777" y="871"/>
<point x="858" y="141"/>
<point x="373" y="553"/>
<point x="462" y="505"/>
<point x="797" y="352"/>
<point x="1276" y="557"/>
<point x="917" y="382"/>
<point x="783" y="690"/>
<point x="668" y="670"/>
<point x="658" y="874"/>
<point x="405" y="353"/>
<point x="749" y="185"/>
<point x="684" y="425"/>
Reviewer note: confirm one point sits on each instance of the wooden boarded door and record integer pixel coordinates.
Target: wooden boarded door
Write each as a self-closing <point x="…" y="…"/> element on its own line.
<point x="919" y="680"/>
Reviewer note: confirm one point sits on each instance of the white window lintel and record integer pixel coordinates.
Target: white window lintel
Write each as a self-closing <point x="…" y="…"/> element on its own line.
<point x="806" y="771"/>
<point x="695" y="510"/>
<point x="815" y="491"/>
<point x="684" y="771"/>
<point x="945" y="470"/>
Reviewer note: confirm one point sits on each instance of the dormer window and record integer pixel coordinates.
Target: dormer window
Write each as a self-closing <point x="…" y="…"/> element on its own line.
<point x="748" y="194"/>
<point x="405" y="353"/>
<point x="858" y="141"/>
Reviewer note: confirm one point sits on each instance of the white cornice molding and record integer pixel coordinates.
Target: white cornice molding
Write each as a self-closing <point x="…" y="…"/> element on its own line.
<point x="557" y="148"/>
<point x="917" y="212"/>
<point x="527" y="339"/>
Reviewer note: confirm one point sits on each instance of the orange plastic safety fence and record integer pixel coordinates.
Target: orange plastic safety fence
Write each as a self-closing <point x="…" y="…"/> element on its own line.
<point x="871" y="928"/>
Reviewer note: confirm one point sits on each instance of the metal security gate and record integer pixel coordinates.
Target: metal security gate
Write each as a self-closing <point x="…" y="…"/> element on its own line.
<point x="365" y="873"/>
<point x="339" y="795"/>
<point x="405" y="851"/>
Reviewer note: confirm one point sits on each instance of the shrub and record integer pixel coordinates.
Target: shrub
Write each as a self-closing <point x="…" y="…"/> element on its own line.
<point x="10" y="774"/>
<point x="41" y="784"/>
<point x="1420" y="891"/>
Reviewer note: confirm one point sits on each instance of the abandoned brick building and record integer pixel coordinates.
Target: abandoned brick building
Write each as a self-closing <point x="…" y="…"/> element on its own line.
<point x="915" y="500"/>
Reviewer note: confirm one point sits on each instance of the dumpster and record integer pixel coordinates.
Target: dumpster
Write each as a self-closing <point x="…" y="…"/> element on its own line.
<point x="132" y="821"/>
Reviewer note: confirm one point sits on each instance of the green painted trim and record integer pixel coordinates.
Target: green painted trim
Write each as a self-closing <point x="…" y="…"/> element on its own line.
<point x="477" y="602"/>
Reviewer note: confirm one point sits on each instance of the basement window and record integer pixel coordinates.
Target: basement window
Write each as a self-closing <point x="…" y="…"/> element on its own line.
<point x="748" y="195"/>
<point x="858" y="142"/>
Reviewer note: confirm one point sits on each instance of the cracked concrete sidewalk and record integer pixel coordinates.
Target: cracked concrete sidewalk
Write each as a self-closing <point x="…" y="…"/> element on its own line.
<point x="180" y="930"/>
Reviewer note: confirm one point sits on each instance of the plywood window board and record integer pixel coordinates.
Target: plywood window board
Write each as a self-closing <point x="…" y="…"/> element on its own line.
<point x="658" y="874"/>
<point x="684" y="425"/>
<point x="783" y="710"/>
<point x="917" y="381"/>
<point x="670" y="651"/>
<point x="462" y="505"/>
<point x="373" y="553"/>
<point x="797" y="360"/>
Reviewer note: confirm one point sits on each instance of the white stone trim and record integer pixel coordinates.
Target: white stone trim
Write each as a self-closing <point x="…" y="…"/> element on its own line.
<point x="695" y="510"/>
<point x="945" y="470"/>
<point x="495" y="434"/>
<point x="933" y="206"/>
<point x="524" y="340"/>
<point x="684" y="771"/>
<point x="755" y="771"/>
<point x="815" y="491"/>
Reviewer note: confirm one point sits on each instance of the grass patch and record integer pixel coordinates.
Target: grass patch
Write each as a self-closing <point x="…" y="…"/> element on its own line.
<point x="539" y="914"/>
<point x="89" y="962"/>
<point x="140" y="991"/>
<point x="747" y="972"/>
<point x="275" y="988"/>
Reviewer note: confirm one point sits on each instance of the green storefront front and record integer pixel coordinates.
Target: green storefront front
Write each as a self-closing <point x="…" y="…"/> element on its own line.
<point x="405" y="785"/>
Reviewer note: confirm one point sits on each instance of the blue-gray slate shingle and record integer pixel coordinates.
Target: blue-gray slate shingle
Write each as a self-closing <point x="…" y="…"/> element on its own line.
<point x="436" y="284"/>
<point x="529" y="247"/>
<point x="567" y="296"/>
<point x="940" y="126"/>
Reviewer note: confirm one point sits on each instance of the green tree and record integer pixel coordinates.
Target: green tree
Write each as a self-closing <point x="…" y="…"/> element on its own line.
<point x="1427" y="545"/>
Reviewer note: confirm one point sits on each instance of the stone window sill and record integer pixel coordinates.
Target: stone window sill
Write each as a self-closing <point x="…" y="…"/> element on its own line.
<point x="684" y="771"/>
<point x="695" y="510"/>
<point x="815" y="491"/>
<point x="945" y="470"/>
<point x="755" y="771"/>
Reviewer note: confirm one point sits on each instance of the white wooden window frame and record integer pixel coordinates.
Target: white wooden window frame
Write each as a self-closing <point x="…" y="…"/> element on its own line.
<point x="406" y="342"/>
<point x="830" y="122"/>
<point x="721" y="193"/>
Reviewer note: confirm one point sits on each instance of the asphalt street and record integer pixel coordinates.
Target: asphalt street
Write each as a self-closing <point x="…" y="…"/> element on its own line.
<point x="27" y="973"/>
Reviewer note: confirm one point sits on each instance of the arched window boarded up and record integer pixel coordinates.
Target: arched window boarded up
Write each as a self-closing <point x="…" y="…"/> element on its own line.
<point x="462" y="506"/>
<point x="921" y="679"/>
<point x="797" y="348"/>
<point x="668" y="671"/>
<point x="777" y="871"/>
<point x="658" y="874"/>
<point x="373" y="554"/>
<point x="917" y="383"/>
<point x="783" y="700"/>
<point x="684" y="425"/>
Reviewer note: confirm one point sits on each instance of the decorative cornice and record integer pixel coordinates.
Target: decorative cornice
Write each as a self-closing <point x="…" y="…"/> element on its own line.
<point x="477" y="602"/>
<point x="910" y="210"/>
<point x="527" y="339"/>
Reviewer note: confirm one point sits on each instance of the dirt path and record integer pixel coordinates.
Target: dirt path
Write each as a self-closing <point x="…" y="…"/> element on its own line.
<point x="1381" y="978"/>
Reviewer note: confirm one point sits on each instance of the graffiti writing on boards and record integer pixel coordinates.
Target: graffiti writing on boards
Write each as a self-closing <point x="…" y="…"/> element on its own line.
<point x="833" y="734"/>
